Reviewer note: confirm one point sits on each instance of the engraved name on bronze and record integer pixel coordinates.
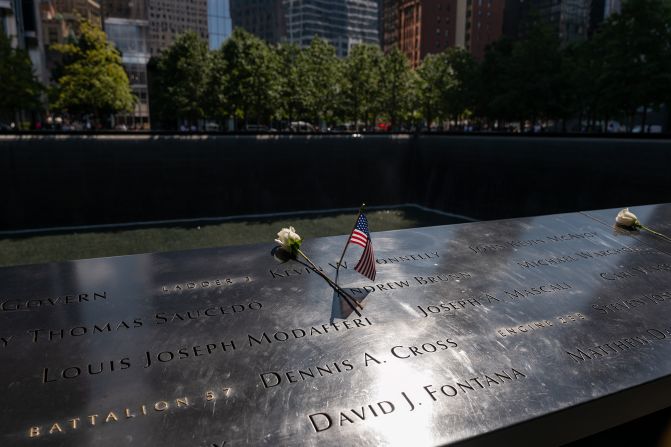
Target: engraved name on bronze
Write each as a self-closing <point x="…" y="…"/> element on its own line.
<point x="301" y="270"/>
<point x="272" y="379"/>
<point x="533" y="327"/>
<point x="127" y="414"/>
<point x="50" y="335"/>
<point x="209" y="284"/>
<point x="415" y="281"/>
<point x="578" y="256"/>
<point x="635" y="272"/>
<point x="408" y="401"/>
<point x="447" y="308"/>
<point x="507" y="245"/>
<point x="148" y="359"/>
<point x="25" y="304"/>
<point x="407" y="258"/>
<point x="269" y="337"/>
<point x="209" y="349"/>
<point x="623" y="345"/>
<point x="161" y="318"/>
<point x="4" y="341"/>
<point x="629" y="304"/>
<point x="190" y="352"/>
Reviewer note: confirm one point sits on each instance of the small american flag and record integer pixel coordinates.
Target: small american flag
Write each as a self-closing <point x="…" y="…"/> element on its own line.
<point x="361" y="236"/>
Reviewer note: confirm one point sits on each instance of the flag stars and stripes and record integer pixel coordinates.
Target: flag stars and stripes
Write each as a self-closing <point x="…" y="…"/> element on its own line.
<point x="361" y="236"/>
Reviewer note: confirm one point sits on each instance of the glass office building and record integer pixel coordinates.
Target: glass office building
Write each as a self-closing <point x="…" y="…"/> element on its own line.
<point x="219" y="24"/>
<point x="343" y="23"/>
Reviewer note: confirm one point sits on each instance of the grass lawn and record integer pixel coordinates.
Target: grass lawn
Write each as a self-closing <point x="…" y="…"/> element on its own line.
<point x="93" y="244"/>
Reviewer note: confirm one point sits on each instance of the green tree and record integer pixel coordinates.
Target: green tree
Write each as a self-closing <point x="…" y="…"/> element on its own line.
<point x="436" y="79"/>
<point x="19" y="88"/>
<point x="92" y="79"/>
<point x="535" y="69"/>
<point x="216" y="102"/>
<point x="636" y="47"/>
<point x="179" y="80"/>
<point x="293" y="97"/>
<point x="363" y="73"/>
<point x="253" y="86"/>
<point x="396" y="88"/>
<point x="496" y="93"/>
<point x="581" y="95"/>
<point x="459" y="96"/>
<point x="415" y="100"/>
<point x="522" y="80"/>
<point x="321" y="73"/>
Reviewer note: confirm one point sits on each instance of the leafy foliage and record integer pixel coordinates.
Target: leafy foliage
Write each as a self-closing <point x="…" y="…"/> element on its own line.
<point x="19" y="88"/>
<point x="321" y="78"/>
<point x="179" y="80"/>
<point x="459" y="97"/>
<point x="624" y="68"/>
<point x="253" y="84"/>
<point x="293" y="95"/>
<point x="362" y="82"/>
<point x="397" y="85"/>
<point x="635" y="55"/>
<point x="92" y="79"/>
<point x="436" y="79"/>
<point x="622" y="71"/>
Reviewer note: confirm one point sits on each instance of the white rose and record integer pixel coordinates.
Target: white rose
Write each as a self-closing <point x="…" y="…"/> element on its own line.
<point x="289" y="239"/>
<point x="626" y="218"/>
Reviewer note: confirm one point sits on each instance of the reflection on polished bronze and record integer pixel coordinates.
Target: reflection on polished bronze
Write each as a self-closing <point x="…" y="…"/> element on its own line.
<point x="494" y="332"/>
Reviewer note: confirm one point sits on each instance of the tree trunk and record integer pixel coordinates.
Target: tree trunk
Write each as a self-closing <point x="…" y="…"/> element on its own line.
<point x="580" y="120"/>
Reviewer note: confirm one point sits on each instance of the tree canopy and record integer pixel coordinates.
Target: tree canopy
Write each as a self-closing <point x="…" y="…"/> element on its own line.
<point x="92" y="79"/>
<point x="253" y="78"/>
<point x="621" y="72"/>
<point x="19" y="88"/>
<point x="180" y="77"/>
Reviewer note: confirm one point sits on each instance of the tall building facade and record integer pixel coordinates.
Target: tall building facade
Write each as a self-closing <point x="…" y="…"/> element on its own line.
<point x="570" y="19"/>
<point x="129" y="9"/>
<point x="343" y="23"/>
<point x="422" y="27"/>
<point x="141" y="29"/>
<point x="20" y="21"/>
<point x="600" y="11"/>
<point x="60" y="18"/>
<point x="60" y="21"/>
<point x="388" y="24"/>
<point x="484" y="25"/>
<point x="170" y="18"/>
<point x="219" y="23"/>
<point x="127" y="26"/>
<point x="263" y="18"/>
<point x="7" y="21"/>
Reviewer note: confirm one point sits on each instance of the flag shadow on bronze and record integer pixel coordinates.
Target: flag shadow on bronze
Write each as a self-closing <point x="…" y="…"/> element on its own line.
<point x="341" y="308"/>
